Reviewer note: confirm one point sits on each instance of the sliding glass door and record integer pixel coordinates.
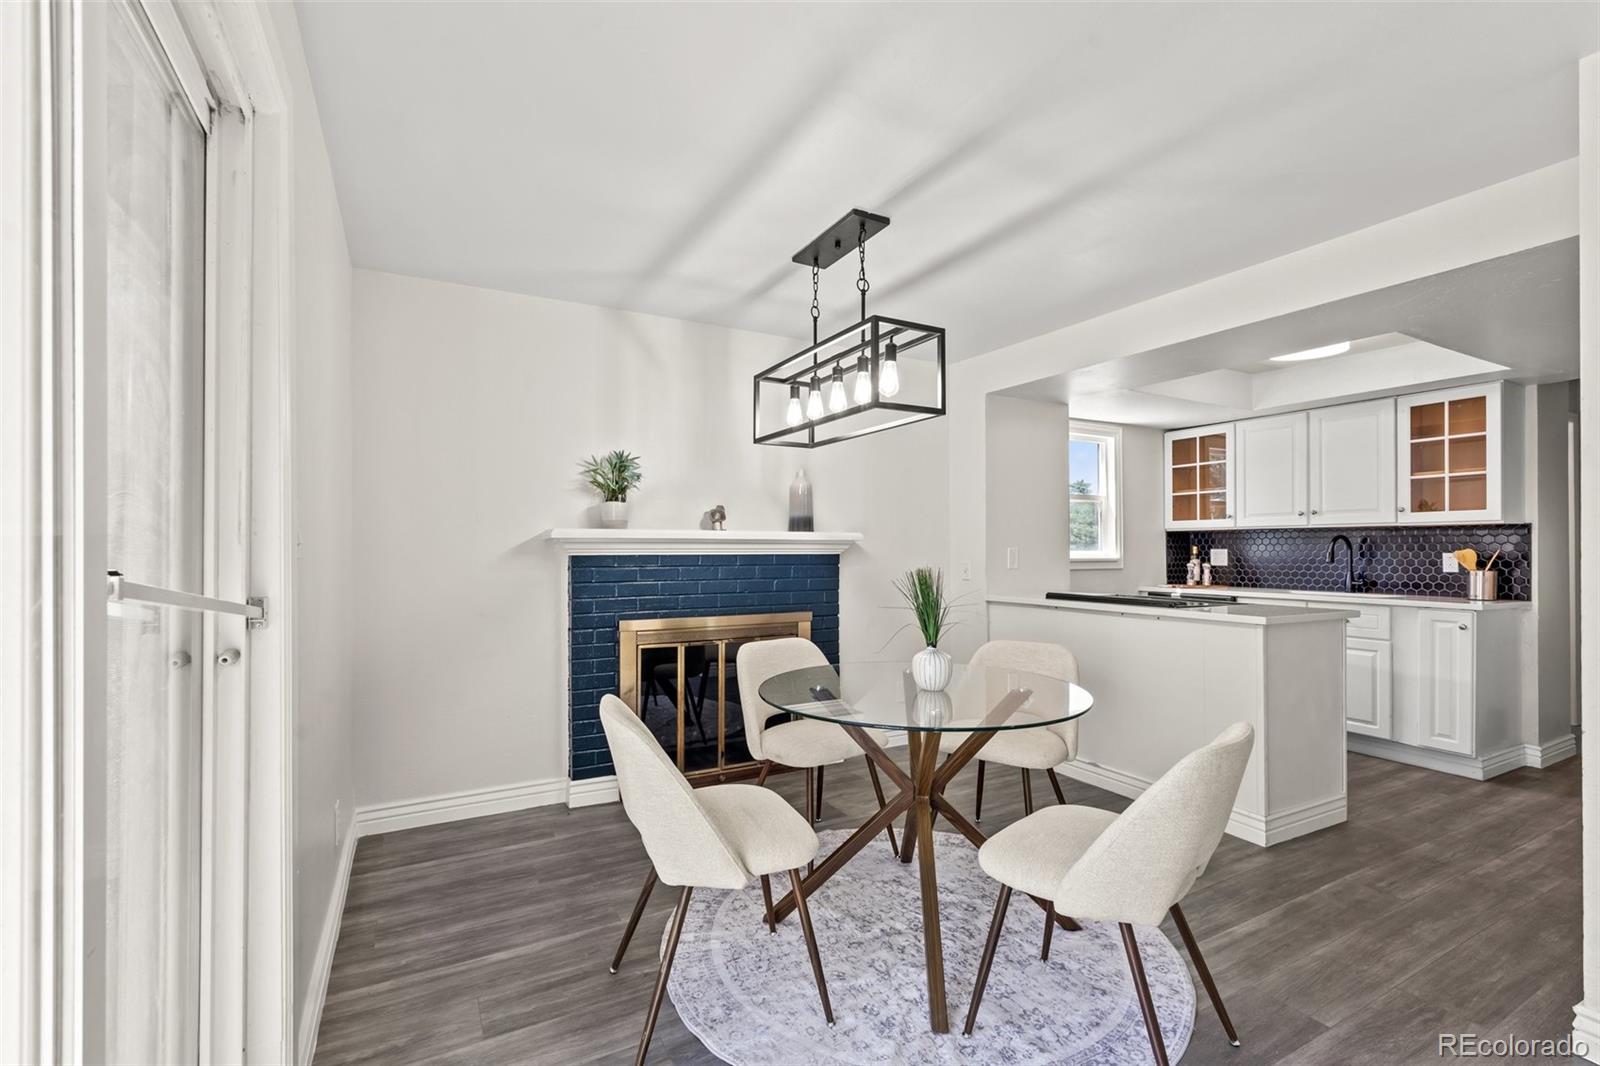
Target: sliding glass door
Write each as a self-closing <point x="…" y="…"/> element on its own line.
<point x="155" y="285"/>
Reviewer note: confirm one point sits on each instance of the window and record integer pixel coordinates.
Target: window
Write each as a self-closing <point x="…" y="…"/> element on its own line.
<point x="1094" y="474"/>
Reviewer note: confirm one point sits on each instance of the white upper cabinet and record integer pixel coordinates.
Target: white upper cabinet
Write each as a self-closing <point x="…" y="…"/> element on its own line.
<point x="1200" y="477"/>
<point x="1458" y="455"/>
<point x="1272" y="470"/>
<point x="1352" y="471"/>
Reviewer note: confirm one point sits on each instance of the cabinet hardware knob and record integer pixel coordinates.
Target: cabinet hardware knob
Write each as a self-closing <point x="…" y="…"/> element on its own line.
<point x="229" y="656"/>
<point x="178" y="659"/>
<point x="1313" y="511"/>
<point x="1463" y="625"/>
<point x="1299" y="512"/>
<point x="1402" y="508"/>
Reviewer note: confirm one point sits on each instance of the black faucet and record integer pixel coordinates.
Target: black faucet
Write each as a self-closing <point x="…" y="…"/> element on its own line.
<point x="1349" y="559"/>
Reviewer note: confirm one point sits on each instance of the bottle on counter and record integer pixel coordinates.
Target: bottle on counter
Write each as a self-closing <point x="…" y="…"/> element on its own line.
<point x="1191" y="574"/>
<point x="1205" y="574"/>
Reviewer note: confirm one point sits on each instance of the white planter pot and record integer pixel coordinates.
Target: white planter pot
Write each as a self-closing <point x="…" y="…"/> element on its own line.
<point x="930" y="669"/>
<point x="614" y="514"/>
<point x="933" y="709"/>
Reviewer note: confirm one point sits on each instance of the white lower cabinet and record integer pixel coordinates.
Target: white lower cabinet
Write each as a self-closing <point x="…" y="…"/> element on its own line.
<point x="1446" y="671"/>
<point x="1368" y="687"/>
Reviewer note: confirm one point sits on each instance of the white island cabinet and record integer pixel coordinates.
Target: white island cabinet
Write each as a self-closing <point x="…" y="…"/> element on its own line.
<point x="1168" y="680"/>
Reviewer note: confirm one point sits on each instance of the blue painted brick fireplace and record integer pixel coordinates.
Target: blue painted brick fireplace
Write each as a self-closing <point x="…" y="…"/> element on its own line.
<point x="605" y="589"/>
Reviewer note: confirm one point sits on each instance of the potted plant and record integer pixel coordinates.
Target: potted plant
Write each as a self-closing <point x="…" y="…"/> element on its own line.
<point x="923" y="591"/>
<point x="613" y="475"/>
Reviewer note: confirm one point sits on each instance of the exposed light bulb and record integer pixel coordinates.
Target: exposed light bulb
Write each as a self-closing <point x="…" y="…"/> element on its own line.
<point x="814" y="399"/>
<point x="794" y="415"/>
<point x="863" y="380"/>
<point x="889" y="372"/>
<point x="836" y="400"/>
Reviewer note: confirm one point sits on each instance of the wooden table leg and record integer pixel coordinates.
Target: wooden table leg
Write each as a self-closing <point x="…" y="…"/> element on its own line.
<point x="932" y="940"/>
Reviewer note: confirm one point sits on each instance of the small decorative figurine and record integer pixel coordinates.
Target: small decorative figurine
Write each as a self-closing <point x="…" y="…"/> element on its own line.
<point x="718" y="515"/>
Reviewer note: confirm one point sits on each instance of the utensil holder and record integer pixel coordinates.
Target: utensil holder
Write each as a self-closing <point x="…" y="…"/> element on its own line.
<point x="1482" y="585"/>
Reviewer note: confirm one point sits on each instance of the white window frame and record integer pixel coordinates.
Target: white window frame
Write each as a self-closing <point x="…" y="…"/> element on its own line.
<point x="1109" y="437"/>
<point x="52" y="478"/>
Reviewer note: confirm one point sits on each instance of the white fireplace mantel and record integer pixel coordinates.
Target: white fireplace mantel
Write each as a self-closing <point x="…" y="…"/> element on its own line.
<point x="696" y="542"/>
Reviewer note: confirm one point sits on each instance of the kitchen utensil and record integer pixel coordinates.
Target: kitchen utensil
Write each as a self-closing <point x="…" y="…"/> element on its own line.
<point x="1467" y="557"/>
<point x="1490" y="564"/>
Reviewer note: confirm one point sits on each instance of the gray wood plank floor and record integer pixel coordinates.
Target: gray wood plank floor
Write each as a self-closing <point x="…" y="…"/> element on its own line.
<point x="1442" y="905"/>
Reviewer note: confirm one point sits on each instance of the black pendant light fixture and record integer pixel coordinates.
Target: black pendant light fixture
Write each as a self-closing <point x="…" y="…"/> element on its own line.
<point x="876" y="374"/>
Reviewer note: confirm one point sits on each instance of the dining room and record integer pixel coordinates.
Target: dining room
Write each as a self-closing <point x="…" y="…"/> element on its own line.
<point x="786" y="533"/>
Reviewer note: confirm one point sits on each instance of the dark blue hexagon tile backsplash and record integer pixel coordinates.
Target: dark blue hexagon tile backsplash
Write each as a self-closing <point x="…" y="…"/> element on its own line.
<point x="1402" y="561"/>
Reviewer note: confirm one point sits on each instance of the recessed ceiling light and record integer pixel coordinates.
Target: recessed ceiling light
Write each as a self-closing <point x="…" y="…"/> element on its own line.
<point x="1312" y="353"/>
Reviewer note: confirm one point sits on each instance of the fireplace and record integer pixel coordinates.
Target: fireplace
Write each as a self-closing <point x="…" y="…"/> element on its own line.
<point x="680" y="676"/>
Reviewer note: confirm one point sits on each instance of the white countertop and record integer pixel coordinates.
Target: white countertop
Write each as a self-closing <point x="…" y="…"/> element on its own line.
<point x="1456" y="603"/>
<point x="1253" y="614"/>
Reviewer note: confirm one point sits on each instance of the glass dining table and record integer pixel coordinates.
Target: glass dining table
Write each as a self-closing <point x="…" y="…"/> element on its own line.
<point x="878" y="697"/>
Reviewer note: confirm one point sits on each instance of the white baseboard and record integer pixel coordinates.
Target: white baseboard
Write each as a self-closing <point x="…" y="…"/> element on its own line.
<point x="1478" y="769"/>
<point x="1263" y="832"/>
<point x="322" y="963"/>
<point x="1550" y="752"/>
<point x="1586" y="1032"/>
<point x="592" y="791"/>
<point x="456" y="806"/>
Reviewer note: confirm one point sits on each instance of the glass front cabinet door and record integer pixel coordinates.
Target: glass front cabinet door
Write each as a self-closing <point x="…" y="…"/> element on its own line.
<point x="1200" y="479"/>
<point x="1452" y="454"/>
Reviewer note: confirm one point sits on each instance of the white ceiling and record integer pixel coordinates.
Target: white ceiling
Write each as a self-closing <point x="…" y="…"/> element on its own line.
<point x="1041" y="163"/>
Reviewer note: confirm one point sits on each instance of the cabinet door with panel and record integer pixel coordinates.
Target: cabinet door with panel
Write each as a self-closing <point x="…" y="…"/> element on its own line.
<point x="1352" y="469"/>
<point x="1449" y="461"/>
<point x="1200" y="477"/>
<point x="1446" y="678"/>
<point x="1368" y="687"/>
<point x="1272" y="467"/>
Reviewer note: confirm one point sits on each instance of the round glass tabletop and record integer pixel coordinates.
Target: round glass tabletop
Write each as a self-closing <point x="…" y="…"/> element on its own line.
<point x="883" y="696"/>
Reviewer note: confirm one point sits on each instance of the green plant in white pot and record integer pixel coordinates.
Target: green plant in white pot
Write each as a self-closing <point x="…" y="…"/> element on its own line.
<point x="923" y="591"/>
<point x="613" y="475"/>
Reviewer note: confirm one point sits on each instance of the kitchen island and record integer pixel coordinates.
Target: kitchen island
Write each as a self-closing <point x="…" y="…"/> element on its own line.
<point x="1169" y="678"/>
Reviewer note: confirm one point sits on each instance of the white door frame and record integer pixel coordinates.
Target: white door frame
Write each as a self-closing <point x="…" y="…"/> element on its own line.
<point x="51" y="505"/>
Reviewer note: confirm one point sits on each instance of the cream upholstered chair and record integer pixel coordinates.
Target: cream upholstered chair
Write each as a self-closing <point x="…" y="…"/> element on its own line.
<point x="802" y="743"/>
<point x="715" y="837"/>
<point x="1044" y="748"/>
<point x="1131" y="868"/>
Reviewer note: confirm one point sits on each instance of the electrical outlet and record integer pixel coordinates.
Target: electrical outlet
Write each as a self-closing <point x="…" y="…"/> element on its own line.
<point x="338" y="826"/>
<point x="1219" y="556"/>
<point x="1449" y="564"/>
<point x="1011" y="559"/>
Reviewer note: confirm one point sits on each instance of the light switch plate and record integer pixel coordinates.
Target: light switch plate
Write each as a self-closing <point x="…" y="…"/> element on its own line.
<point x="1448" y="562"/>
<point x="1219" y="556"/>
<point x="1011" y="559"/>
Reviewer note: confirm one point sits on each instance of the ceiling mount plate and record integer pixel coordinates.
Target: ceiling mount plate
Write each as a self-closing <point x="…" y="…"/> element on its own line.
<point x="839" y="239"/>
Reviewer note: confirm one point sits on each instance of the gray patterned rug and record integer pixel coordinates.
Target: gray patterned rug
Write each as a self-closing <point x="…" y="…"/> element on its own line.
<point x="749" y="996"/>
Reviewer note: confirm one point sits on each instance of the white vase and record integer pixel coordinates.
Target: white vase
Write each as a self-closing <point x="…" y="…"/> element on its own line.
<point x="614" y="514"/>
<point x="930" y="669"/>
<point x="932" y="709"/>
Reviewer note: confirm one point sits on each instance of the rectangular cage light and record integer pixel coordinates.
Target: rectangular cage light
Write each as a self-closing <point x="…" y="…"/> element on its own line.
<point x="876" y="374"/>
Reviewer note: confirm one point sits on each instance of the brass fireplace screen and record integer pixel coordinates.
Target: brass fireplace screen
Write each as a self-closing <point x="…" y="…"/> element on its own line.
<point x="678" y="675"/>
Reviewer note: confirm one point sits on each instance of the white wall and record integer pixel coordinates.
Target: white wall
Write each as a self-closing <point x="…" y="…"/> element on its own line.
<point x="472" y="411"/>
<point x="1026" y="501"/>
<point x="322" y="478"/>
<point x="1547" y="678"/>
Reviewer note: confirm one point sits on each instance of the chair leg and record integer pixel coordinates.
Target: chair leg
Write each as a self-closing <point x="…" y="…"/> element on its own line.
<point x="816" y="815"/>
<point x="1027" y="793"/>
<point x="877" y="788"/>
<point x="1055" y="783"/>
<point x="666" y="971"/>
<point x="811" y="796"/>
<point x="1049" y="928"/>
<point x="1142" y="987"/>
<point x="811" y="944"/>
<point x="766" y="768"/>
<point x="766" y="896"/>
<point x="1205" y="974"/>
<point x="988" y="958"/>
<point x="977" y="808"/>
<point x="633" y="920"/>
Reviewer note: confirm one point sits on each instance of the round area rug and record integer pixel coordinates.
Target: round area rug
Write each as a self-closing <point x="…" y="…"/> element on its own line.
<point x="749" y="995"/>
